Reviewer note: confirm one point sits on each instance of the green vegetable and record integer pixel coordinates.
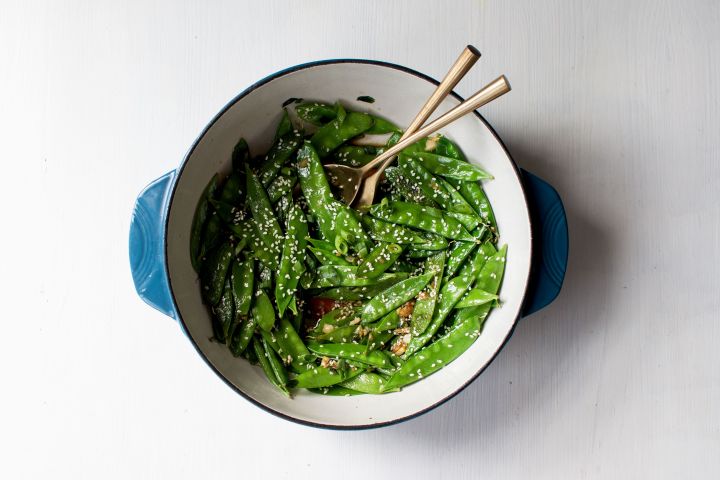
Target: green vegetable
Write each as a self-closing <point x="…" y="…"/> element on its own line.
<point x="199" y="219"/>
<point x="394" y="297"/>
<point x="339" y="301"/>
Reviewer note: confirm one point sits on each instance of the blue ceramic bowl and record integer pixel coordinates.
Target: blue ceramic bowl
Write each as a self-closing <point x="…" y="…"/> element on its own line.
<point x="529" y="212"/>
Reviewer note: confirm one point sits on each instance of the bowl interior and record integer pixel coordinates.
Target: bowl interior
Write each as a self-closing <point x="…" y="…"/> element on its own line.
<point x="398" y="95"/>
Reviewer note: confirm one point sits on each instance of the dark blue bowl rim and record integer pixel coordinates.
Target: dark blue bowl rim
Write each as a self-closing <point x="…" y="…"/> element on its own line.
<point x="180" y="170"/>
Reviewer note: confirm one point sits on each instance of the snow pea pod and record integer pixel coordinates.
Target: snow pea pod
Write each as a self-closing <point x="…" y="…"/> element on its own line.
<point x="242" y="277"/>
<point x="278" y="155"/>
<point x="380" y="259"/>
<point x="284" y="127"/>
<point x="475" y="195"/>
<point x="240" y="155"/>
<point x="343" y="276"/>
<point x="457" y="255"/>
<point x="394" y="297"/>
<point x="291" y="341"/>
<point x="276" y="366"/>
<point x="316" y="190"/>
<point x="214" y="270"/>
<point x="381" y="126"/>
<point x="366" y="291"/>
<point x="328" y="257"/>
<point x="224" y="314"/>
<point x="267" y="225"/>
<point x="423" y="218"/>
<point x="451" y="167"/>
<point x="199" y="219"/>
<point x="280" y="186"/>
<point x="390" y="321"/>
<point x="436" y="355"/>
<point x="243" y="335"/>
<point x="435" y="188"/>
<point x="292" y="261"/>
<point x="425" y="305"/>
<point x="391" y="233"/>
<point x="318" y="377"/>
<point x="408" y="189"/>
<point x="447" y="148"/>
<point x="263" y="357"/>
<point x="340" y="130"/>
<point x="349" y="231"/>
<point x="344" y="334"/>
<point x="469" y="221"/>
<point x="350" y="351"/>
<point x="450" y="294"/>
<point x="263" y="311"/>
<point x="475" y="297"/>
<point x="377" y="340"/>
<point x="316" y="113"/>
<point x="367" y="382"/>
<point x="488" y="280"/>
<point x="354" y="155"/>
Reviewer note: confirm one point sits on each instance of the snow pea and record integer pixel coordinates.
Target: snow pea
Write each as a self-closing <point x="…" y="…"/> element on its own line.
<point x="240" y="155"/>
<point x="435" y="188"/>
<point x="284" y="127"/>
<point x="390" y="321"/>
<point x="423" y="218"/>
<point x="475" y="297"/>
<point x="242" y="277"/>
<point x="328" y="257"/>
<point x="450" y="167"/>
<point x="377" y="340"/>
<point x="366" y="291"/>
<point x="457" y="255"/>
<point x="214" y="270"/>
<point x="475" y="195"/>
<point x="199" y="219"/>
<point x="436" y="355"/>
<point x="450" y="294"/>
<point x="391" y="233"/>
<point x="406" y="188"/>
<point x="279" y="154"/>
<point x="224" y="314"/>
<point x="350" y="351"/>
<point x="344" y="334"/>
<point x="263" y="311"/>
<point x="381" y="126"/>
<point x="316" y="113"/>
<point x="318" y="377"/>
<point x="263" y="356"/>
<point x="447" y="148"/>
<point x="489" y="279"/>
<point x="338" y="131"/>
<point x="354" y="155"/>
<point x="292" y="261"/>
<point x="425" y="305"/>
<point x="394" y="297"/>
<point x="316" y="191"/>
<point x="280" y="186"/>
<point x="380" y="259"/>
<point x="343" y="276"/>
<point x="367" y="382"/>
<point x="243" y="335"/>
<point x="267" y="225"/>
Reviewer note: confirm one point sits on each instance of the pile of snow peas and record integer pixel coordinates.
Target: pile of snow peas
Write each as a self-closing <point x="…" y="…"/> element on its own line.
<point x="332" y="299"/>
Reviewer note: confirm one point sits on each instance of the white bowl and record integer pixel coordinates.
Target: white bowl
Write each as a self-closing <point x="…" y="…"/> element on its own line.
<point x="161" y="225"/>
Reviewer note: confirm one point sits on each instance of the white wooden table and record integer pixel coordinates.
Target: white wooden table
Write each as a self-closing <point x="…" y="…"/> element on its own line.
<point x="616" y="103"/>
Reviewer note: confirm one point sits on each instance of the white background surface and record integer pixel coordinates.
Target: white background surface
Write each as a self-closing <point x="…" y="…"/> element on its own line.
<point x="615" y="103"/>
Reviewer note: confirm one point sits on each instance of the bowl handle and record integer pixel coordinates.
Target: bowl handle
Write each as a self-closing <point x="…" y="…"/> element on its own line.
<point x="550" y="243"/>
<point x="147" y="245"/>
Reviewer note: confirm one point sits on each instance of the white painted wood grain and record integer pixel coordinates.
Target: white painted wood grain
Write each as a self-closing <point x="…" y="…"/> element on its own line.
<point x="615" y="102"/>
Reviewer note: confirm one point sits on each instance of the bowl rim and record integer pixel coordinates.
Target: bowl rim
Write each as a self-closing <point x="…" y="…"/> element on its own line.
<point x="191" y="150"/>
